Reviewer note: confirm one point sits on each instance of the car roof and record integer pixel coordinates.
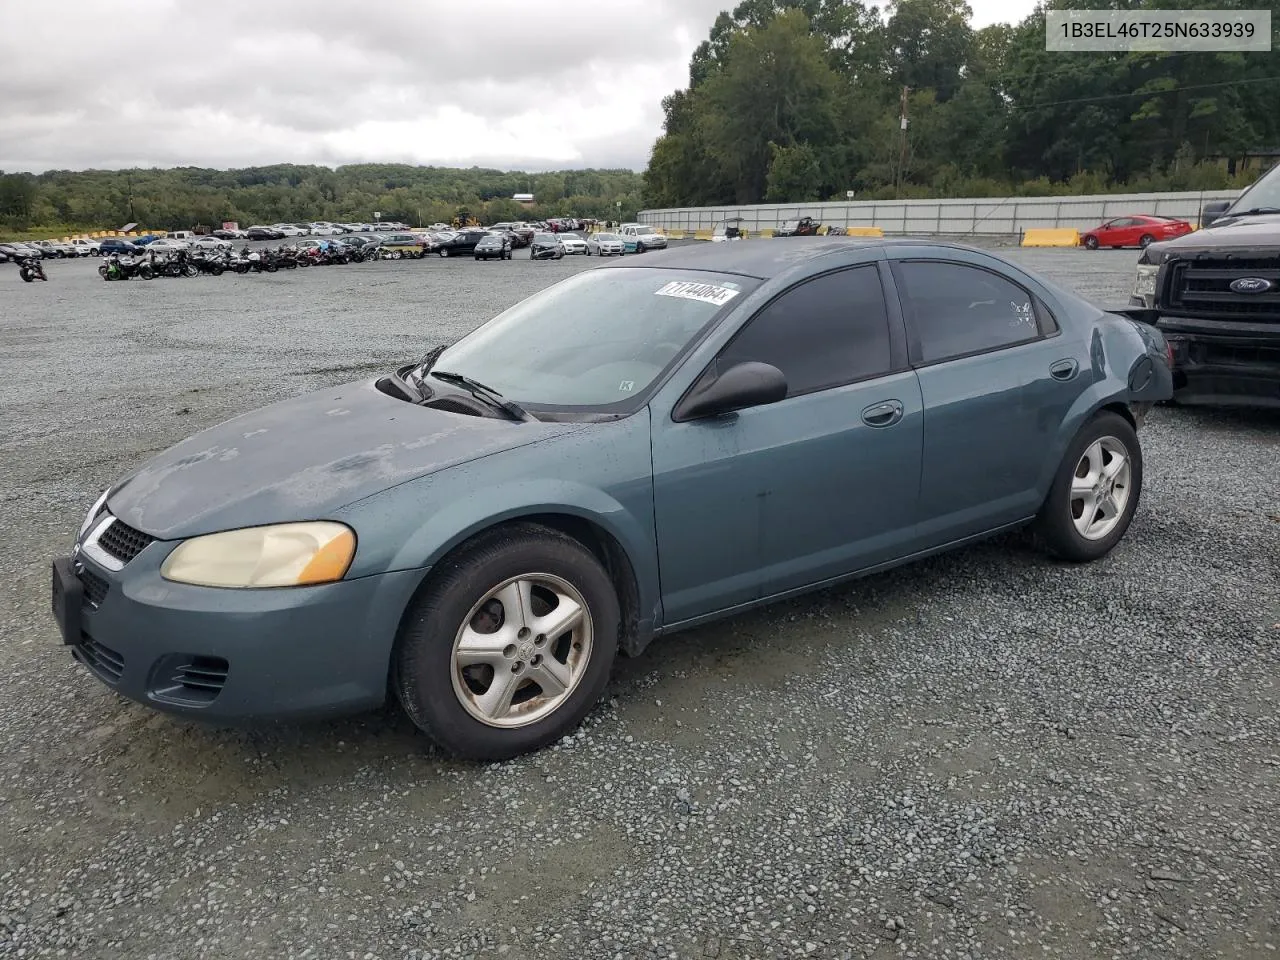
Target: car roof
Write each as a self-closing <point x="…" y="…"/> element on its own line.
<point x="766" y="260"/>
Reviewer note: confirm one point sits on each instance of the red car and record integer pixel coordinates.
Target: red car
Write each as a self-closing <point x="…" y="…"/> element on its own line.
<point x="1134" y="231"/>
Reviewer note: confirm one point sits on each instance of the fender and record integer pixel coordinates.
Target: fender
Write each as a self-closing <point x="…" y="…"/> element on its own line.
<point x="1147" y="380"/>
<point x="420" y="521"/>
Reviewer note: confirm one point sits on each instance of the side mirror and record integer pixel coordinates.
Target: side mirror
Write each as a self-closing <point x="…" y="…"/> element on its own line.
<point x="1212" y="211"/>
<point x="750" y="384"/>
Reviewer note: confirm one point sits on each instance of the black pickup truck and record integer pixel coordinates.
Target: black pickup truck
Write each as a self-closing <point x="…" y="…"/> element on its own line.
<point x="1215" y="294"/>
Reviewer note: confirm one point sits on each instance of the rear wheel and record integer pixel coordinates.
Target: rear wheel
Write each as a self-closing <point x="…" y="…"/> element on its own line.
<point x="509" y="645"/>
<point x="1096" y="491"/>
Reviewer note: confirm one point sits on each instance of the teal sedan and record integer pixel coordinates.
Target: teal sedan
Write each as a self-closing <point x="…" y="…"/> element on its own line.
<point x="631" y="452"/>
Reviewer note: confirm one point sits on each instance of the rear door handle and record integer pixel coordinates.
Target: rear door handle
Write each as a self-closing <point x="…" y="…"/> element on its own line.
<point x="1064" y="369"/>
<point x="883" y="414"/>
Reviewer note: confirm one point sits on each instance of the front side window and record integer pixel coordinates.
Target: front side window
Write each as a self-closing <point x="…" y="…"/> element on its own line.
<point x="955" y="309"/>
<point x="597" y="340"/>
<point x="822" y="333"/>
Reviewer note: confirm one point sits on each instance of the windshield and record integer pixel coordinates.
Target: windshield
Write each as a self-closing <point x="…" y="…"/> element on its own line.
<point x="606" y="236"/>
<point x="599" y="339"/>
<point x="1264" y="194"/>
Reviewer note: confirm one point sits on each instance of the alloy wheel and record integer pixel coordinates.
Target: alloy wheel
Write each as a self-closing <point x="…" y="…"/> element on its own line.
<point x="1100" y="488"/>
<point x="522" y="650"/>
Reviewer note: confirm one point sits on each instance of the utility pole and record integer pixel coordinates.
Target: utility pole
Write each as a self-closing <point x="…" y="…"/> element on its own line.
<point x="902" y="147"/>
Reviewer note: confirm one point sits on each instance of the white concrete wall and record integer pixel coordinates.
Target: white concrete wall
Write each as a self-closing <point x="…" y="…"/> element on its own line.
<point x="982" y="216"/>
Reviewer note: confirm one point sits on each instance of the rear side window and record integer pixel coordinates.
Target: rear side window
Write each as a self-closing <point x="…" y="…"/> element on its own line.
<point x="954" y="310"/>
<point x="822" y="333"/>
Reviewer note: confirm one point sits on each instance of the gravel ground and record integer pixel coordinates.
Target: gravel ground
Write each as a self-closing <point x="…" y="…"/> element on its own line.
<point x="984" y="755"/>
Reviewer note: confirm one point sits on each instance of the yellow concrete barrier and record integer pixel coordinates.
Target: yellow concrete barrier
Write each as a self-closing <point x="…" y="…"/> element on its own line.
<point x="1051" y="237"/>
<point x="864" y="231"/>
<point x="766" y="232"/>
<point x="702" y="234"/>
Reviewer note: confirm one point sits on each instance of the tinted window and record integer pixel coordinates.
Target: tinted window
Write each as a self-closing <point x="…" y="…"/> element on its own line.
<point x="956" y="309"/>
<point x="825" y="332"/>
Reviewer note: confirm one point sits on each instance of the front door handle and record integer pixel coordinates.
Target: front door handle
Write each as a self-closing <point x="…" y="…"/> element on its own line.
<point x="883" y="414"/>
<point x="1064" y="369"/>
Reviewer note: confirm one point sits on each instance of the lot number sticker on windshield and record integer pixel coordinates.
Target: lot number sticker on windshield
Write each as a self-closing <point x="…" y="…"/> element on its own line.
<point x="705" y="292"/>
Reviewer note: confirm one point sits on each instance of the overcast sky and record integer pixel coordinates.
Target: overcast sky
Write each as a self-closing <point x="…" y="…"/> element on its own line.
<point x="506" y="83"/>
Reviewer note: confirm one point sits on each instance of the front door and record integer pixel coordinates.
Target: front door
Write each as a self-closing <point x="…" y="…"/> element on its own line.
<point x="789" y="494"/>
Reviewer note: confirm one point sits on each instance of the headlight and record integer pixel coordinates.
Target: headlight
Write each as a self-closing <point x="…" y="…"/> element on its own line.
<point x="93" y="514"/>
<point x="283" y="555"/>
<point x="1145" y="284"/>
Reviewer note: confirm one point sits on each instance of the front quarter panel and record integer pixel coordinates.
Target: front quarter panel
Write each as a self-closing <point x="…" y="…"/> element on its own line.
<point x="601" y="472"/>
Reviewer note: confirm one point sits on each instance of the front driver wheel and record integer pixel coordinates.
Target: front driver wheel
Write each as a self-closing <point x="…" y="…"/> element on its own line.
<point x="1146" y="241"/>
<point x="509" y="645"/>
<point x="1095" y="492"/>
<point x="1091" y="243"/>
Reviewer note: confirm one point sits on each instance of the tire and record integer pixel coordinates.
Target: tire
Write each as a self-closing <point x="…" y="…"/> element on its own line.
<point x="103" y="272"/>
<point x="639" y="248"/>
<point x="444" y="251"/>
<point x="26" y="276"/>
<point x="1146" y="240"/>
<point x="1091" y="243"/>
<point x="191" y="270"/>
<point x="146" y="273"/>
<point x="446" y="704"/>
<point x="216" y="269"/>
<point x="271" y="268"/>
<point x="1095" y="446"/>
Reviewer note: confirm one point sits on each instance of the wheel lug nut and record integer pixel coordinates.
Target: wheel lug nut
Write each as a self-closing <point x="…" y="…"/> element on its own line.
<point x="540" y="639"/>
<point x="517" y="666"/>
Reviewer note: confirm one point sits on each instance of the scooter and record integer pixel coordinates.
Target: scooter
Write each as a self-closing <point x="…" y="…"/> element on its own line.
<point x="31" y="269"/>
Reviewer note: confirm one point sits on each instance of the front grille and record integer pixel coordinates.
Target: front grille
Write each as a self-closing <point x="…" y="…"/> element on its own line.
<point x="95" y="588"/>
<point x="123" y="542"/>
<point x="101" y="659"/>
<point x="1202" y="288"/>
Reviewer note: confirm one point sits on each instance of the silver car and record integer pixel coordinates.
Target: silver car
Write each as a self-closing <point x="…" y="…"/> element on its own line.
<point x="604" y="245"/>
<point x="572" y="243"/>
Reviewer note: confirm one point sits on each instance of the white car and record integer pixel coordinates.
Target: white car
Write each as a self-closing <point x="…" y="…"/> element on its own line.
<point x="56" y="248"/>
<point x="289" y="229"/>
<point x="210" y="243"/>
<point x="167" y="245"/>
<point x="325" y="230"/>
<point x="85" y="247"/>
<point x="572" y="243"/>
<point x="605" y="245"/>
<point x="638" y="237"/>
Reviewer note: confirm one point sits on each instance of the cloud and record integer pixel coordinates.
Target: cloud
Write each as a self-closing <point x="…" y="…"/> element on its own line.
<point x="505" y="83"/>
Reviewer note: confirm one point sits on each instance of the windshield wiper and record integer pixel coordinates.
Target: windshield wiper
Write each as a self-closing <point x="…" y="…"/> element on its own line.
<point x="488" y="394"/>
<point x="1254" y="211"/>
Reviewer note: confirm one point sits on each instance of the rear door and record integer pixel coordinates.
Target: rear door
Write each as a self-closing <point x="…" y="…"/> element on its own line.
<point x="996" y="377"/>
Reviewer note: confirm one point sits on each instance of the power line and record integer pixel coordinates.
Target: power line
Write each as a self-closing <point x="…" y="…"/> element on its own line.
<point x="1148" y="93"/>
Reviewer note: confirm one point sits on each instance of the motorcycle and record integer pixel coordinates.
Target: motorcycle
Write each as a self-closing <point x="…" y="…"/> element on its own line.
<point x="210" y="264"/>
<point x="113" y="268"/>
<point x="31" y="269"/>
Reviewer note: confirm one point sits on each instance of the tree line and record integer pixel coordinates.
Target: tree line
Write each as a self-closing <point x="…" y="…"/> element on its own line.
<point x="171" y="199"/>
<point x="801" y="100"/>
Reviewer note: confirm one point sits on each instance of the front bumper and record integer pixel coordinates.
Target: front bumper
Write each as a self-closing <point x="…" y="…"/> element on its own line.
<point x="1224" y="363"/>
<point x="238" y="655"/>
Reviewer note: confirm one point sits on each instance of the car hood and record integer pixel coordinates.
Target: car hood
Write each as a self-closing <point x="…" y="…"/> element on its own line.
<point x="1232" y="233"/>
<point x="304" y="458"/>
